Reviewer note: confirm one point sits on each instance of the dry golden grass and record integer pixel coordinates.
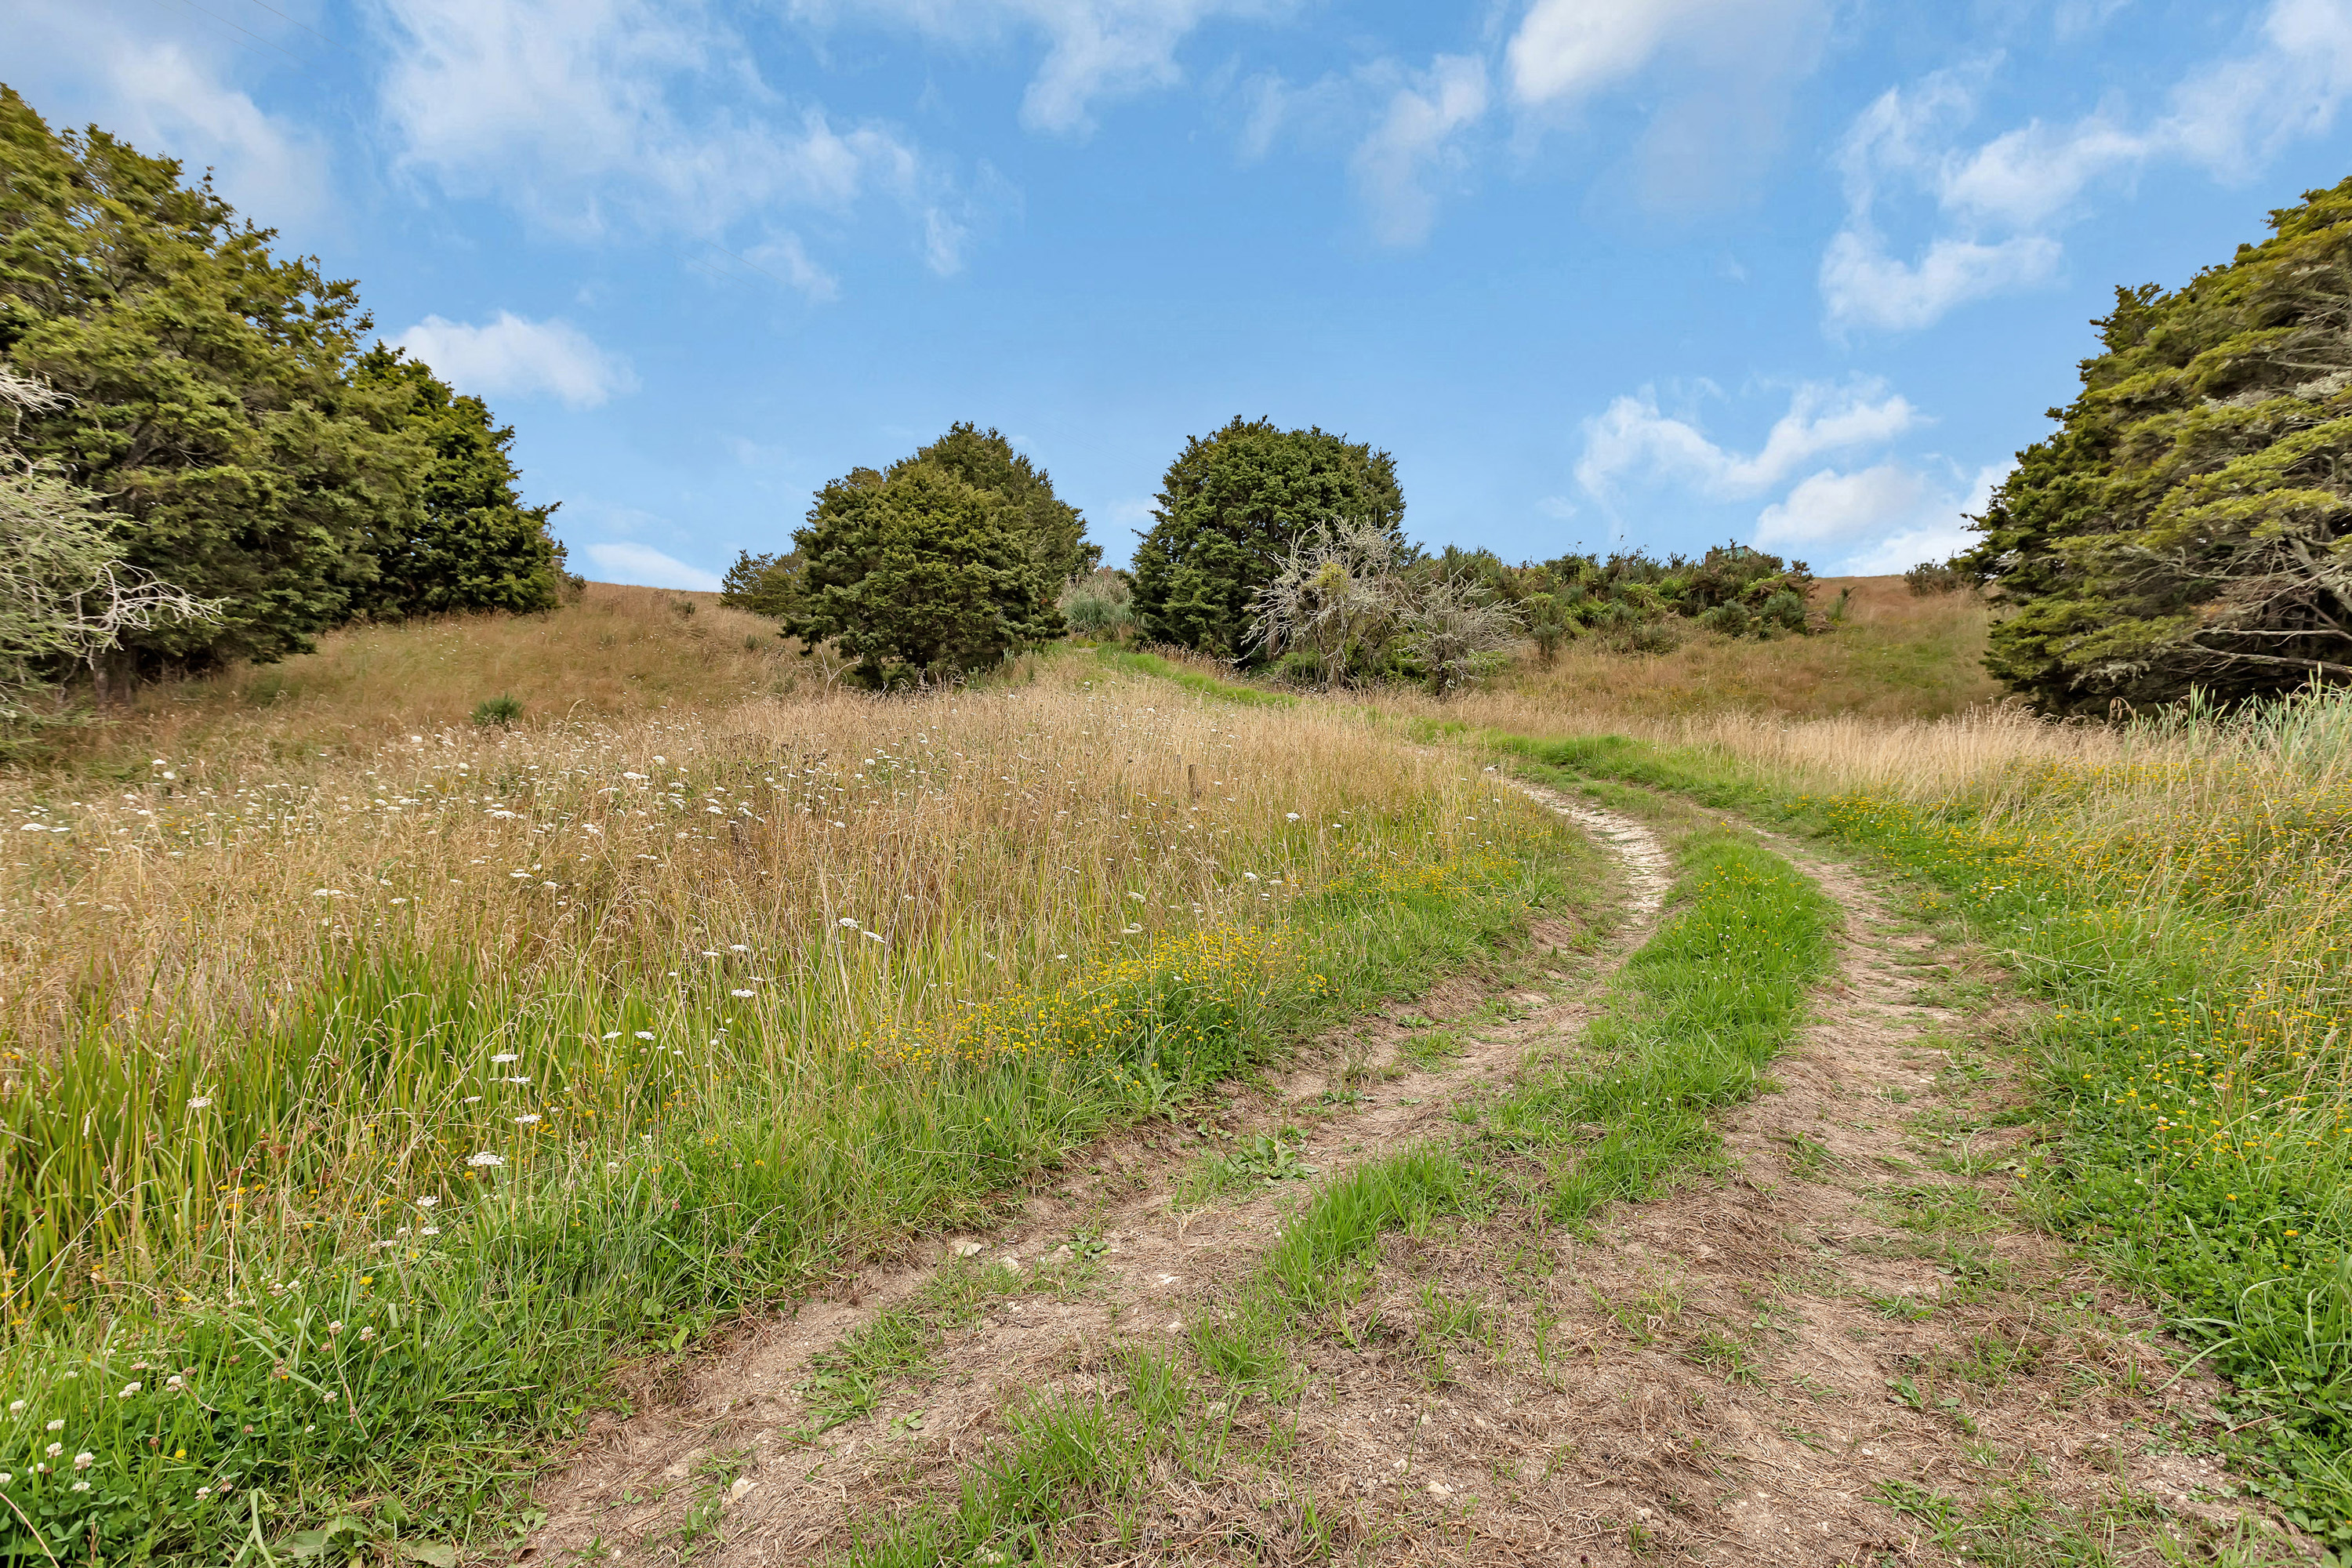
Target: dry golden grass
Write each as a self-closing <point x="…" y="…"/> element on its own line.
<point x="617" y="650"/>
<point x="1893" y="655"/>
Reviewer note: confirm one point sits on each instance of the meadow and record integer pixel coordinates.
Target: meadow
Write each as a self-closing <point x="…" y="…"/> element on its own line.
<point x="371" y="1083"/>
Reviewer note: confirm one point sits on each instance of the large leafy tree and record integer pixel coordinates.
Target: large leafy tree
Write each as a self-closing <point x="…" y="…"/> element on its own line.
<point x="917" y="575"/>
<point x="468" y="542"/>
<point x="1230" y="508"/>
<point x="2190" y="523"/>
<point x="1054" y="530"/>
<point x="209" y="408"/>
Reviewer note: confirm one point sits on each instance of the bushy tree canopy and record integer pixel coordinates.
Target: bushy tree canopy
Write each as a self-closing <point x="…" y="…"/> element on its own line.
<point x="918" y="574"/>
<point x="1231" y="508"/>
<point x="1055" y="532"/>
<point x="217" y="407"/>
<point x="2188" y="525"/>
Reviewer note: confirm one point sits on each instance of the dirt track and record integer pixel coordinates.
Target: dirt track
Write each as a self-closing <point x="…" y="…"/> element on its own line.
<point x="1842" y="1348"/>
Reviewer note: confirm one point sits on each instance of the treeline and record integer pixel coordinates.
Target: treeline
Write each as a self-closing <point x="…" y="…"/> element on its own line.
<point x="224" y="417"/>
<point x="1279" y="550"/>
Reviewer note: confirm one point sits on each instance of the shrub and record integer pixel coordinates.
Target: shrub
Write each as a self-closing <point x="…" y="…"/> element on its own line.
<point x="1932" y="577"/>
<point x="501" y="711"/>
<point x="1099" y="604"/>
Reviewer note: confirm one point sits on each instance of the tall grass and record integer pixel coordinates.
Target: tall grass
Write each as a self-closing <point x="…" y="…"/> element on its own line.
<point x="358" y="1107"/>
<point x="2179" y="890"/>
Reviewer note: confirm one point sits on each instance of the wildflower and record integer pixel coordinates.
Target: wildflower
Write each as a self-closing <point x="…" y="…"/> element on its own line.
<point x="199" y="1103"/>
<point x="14" y="1405"/>
<point x="56" y="1425"/>
<point x="739" y="993"/>
<point x="517" y="1080"/>
<point x="738" y="947"/>
<point x="526" y="1121"/>
<point x="79" y="1487"/>
<point x="54" y="1449"/>
<point x="614" y="1036"/>
<point x="5" y="1478"/>
<point x="430" y="1231"/>
<point x="366" y="1334"/>
<point x="645" y="1034"/>
<point x="1290" y="816"/>
<point x="83" y="1461"/>
<point x="846" y="923"/>
<point x="486" y="1161"/>
<point x="428" y="1202"/>
<point x="336" y="1327"/>
<point x="503" y="1058"/>
<point x="127" y="1390"/>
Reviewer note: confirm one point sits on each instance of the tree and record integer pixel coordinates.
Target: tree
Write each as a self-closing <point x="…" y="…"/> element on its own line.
<point x="208" y="404"/>
<point x="469" y="543"/>
<point x="1457" y="632"/>
<point x="2188" y="525"/>
<point x="1336" y="603"/>
<point x="1230" y="509"/>
<point x="1053" y="529"/>
<point x="66" y="596"/>
<point x="918" y="576"/>
<point x="762" y="585"/>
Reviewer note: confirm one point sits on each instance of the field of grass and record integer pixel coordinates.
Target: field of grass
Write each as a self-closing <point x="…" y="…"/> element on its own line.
<point x="2178" y="892"/>
<point x="363" y="1101"/>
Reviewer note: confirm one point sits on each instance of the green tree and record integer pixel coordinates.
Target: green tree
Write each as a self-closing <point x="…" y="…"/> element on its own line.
<point x="918" y="574"/>
<point x="468" y="542"/>
<point x="210" y="406"/>
<point x="763" y="585"/>
<point x="1231" y="508"/>
<point x="1054" y="530"/>
<point x="2189" y="522"/>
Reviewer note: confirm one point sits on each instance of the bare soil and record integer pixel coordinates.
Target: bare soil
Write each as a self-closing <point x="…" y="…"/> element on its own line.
<point x="1842" y="1345"/>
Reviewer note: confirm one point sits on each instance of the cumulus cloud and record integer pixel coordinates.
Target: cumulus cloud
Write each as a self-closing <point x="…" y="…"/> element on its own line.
<point x="589" y="115"/>
<point x="1095" y="50"/>
<point x="1884" y="518"/>
<point x="1414" y="141"/>
<point x="1998" y="200"/>
<point x="514" y="356"/>
<point x="179" y="97"/>
<point x="625" y="562"/>
<point x="1634" y="437"/>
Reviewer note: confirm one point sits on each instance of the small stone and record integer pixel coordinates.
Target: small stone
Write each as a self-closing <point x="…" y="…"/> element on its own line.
<point x="1439" y="1488"/>
<point x="739" y="1487"/>
<point x="966" y="1248"/>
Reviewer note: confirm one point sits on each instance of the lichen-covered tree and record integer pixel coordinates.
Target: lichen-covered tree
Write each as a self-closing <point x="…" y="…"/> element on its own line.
<point x="1230" y="509"/>
<point x="2188" y="525"/>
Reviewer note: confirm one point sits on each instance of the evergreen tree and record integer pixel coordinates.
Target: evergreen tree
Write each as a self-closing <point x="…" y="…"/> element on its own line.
<point x="2188" y="525"/>
<point x="763" y="585"/>
<point x="469" y="543"/>
<point x="918" y="576"/>
<point x="1230" y="508"/>
<point x="1055" y="531"/>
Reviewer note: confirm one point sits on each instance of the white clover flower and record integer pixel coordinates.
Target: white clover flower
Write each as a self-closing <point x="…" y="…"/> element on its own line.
<point x="335" y="1327"/>
<point x="79" y="1487"/>
<point x="56" y="1425"/>
<point x="486" y="1161"/>
<point x="54" y="1449"/>
<point x="127" y="1390"/>
<point x="366" y="1334"/>
<point x="526" y="1121"/>
<point x="14" y="1405"/>
<point x="428" y="1202"/>
<point x="5" y="1478"/>
<point x="83" y="1461"/>
<point x="645" y="1034"/>
<point x="199" y="1103"/>
<point x="517" y="1080"/>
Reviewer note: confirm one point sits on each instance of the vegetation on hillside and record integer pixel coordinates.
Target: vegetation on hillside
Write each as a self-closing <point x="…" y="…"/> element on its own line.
<point x="2186" y="526"/>
<point x="220" y="402"/>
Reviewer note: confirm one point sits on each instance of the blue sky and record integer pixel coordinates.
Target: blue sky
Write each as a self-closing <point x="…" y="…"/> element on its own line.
<point x="1664" y="272"/>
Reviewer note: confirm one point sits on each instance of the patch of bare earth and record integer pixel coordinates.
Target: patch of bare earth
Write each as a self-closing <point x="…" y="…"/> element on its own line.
<point x="1839" y="1347"/>
<point x="725" y="1462"/>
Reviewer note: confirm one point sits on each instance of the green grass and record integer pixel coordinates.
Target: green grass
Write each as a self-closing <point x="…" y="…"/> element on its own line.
<point x="429" y="1372"/>
<point x="1152" y="665"/>
<point x="1690" y="1024"/>
<point x="2198" y="1154"/>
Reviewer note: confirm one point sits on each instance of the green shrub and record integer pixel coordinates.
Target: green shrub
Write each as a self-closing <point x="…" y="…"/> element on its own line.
<point x="501" y="711"/>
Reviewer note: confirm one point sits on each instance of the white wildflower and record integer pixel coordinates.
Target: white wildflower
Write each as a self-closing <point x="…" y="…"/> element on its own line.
<point x="504" y="1057"/>
<point x="526" y="1121"/>
<point x="199" y="1103"/>
<point x="486" y="1161"/>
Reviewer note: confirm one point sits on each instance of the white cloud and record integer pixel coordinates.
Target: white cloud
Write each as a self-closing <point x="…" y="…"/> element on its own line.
<point x="1633" y="435"/>
<point x="515" y="356"/>
<point x="1095" y="49"/>
<point x="1885" y="518"/>
<point x="1571" y="49"/>
<point x="1998" y="199"/>
<point x="1414" y="140"/>
<point x="588" y="113"/>
<point x="623" y="562"/>
<point x="177" y="98"/>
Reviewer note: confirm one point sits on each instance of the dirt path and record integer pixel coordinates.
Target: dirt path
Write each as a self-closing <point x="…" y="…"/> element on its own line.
<point x="1842" y="1347"/>
<point x="724" y="1464"/>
